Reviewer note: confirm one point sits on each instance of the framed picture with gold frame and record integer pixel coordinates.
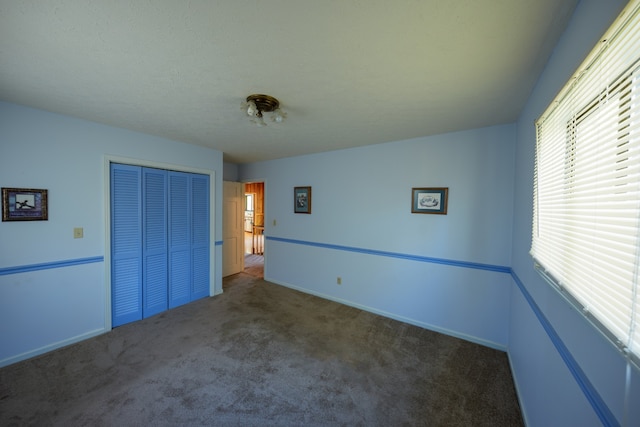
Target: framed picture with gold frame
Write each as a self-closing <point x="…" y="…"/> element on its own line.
<point x="24" y="204"/>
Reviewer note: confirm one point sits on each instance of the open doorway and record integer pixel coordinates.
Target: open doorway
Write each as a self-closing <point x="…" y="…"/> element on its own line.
<point x="254" y="228"/>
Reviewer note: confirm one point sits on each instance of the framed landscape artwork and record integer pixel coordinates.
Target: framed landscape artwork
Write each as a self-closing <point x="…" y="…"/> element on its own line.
<point x="429" y="200"/>
<point x="24" y="204"/>
<point x="302" y="200"/>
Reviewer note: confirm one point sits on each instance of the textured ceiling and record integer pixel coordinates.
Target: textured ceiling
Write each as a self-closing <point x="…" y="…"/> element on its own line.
<point x="347" y="72"/>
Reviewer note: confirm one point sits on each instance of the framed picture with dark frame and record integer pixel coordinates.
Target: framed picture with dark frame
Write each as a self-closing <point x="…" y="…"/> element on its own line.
<point x="429" y="200"/>
<point x="24" y="204"/>
<point x="302" y="200"/>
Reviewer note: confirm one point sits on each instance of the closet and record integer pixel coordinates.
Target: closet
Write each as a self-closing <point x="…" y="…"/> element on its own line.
<point x="159" y="240"/>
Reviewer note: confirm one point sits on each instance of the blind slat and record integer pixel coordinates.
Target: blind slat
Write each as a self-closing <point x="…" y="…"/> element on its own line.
<point x="586" y="219"/>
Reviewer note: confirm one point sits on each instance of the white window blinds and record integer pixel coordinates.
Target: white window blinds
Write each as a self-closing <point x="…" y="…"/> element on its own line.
<point x="586" y="205"/>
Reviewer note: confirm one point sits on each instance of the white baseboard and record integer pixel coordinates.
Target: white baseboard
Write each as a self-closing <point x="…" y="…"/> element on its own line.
<point x="515" y="383"/>
<point x="47" y="348"/>
<point x="470" y="338"/>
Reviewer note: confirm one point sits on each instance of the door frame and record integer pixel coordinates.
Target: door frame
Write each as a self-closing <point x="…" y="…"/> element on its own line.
<point x="108" y="159"/>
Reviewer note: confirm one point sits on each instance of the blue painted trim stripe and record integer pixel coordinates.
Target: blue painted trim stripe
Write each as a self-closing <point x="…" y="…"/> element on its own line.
<point x="49" y="265"/>
<point x="599" y="406"/>
<point x="465" y="264"/>
<point x="56" y="264"/>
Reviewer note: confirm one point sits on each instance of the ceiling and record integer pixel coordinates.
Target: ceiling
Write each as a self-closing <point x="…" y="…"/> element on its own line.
<point x="348" y="73"/>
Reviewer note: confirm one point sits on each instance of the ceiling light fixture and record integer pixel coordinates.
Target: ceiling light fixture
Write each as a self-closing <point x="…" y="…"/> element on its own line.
<point x="258" y="104"/>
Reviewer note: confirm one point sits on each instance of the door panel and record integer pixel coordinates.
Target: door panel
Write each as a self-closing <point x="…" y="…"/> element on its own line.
<point x="126" y="244"/>
<point x="200" y="245"/>
<point x="233" y="232"/>
<point x="154" y="226"/>
<point x="179" y="239"/>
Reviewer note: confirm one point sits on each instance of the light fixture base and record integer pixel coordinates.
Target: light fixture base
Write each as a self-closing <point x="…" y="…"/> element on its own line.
<point x="264" y="102"/>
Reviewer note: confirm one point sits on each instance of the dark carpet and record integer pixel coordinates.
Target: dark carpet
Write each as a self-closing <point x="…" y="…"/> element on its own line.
<point x="263" y="355"/>
<point x="254" y="265"/>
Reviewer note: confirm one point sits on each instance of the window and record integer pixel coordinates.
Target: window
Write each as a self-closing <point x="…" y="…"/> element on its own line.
<point x="586" y="202"/>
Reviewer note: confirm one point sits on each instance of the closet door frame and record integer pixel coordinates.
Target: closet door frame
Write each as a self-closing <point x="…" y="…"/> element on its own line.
<point x="108" y="160"/>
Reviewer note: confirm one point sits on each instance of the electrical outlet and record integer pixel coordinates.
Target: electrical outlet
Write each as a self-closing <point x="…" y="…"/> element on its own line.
<point x="78" y="233"/>
<point x="339" y="280"/>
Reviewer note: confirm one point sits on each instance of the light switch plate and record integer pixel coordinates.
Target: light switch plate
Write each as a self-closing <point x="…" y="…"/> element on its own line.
<point x="78" y="233"/>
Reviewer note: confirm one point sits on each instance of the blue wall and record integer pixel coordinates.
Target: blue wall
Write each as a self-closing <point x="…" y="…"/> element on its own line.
<point x="467" y="273"/>
<point x="420" y="268"/>
<point x="566" y="373"/>
<point x="53" y="287"/>
<point x="444" y="272"/>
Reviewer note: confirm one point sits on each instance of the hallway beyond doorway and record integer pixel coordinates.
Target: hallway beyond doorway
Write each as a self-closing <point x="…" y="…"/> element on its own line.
<point x="254" y="265"/>
<point x="254" y="228"/>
